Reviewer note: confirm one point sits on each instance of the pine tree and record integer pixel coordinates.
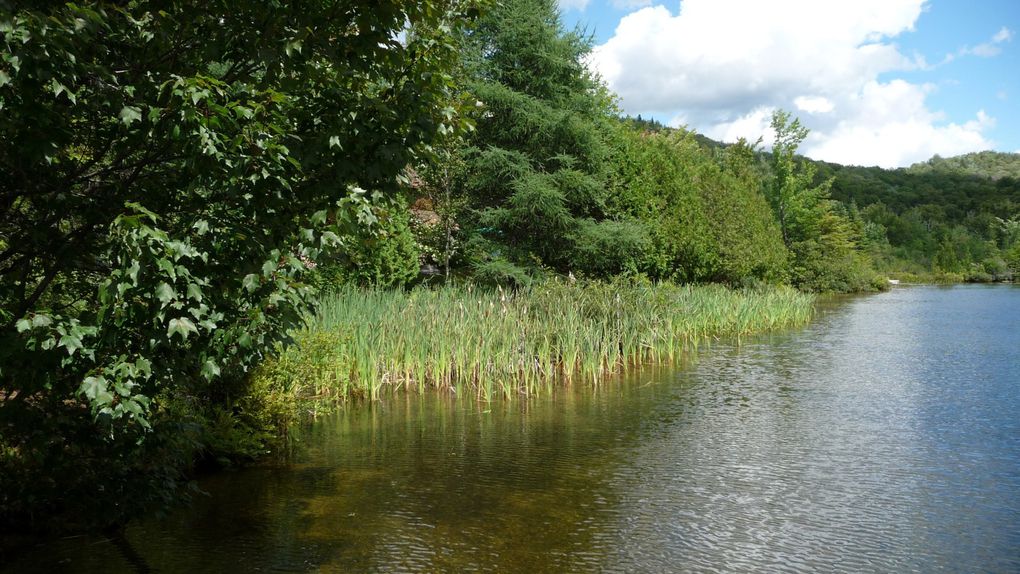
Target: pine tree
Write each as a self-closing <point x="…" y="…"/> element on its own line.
<point x="539" y="164"/>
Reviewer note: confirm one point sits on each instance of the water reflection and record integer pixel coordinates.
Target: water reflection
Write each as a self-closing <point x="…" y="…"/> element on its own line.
<point x="880" y="438"/>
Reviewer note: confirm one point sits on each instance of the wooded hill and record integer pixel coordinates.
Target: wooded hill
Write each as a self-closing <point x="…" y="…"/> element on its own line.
<point x="991" y="164"/>
<point x="951" y="215"/>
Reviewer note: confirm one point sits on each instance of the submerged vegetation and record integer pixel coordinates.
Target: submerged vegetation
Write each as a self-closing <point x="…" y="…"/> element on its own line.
<point x="487" y="343"/>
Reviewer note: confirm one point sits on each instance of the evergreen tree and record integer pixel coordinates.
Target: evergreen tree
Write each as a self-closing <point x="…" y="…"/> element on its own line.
<point x="539" y="166"/>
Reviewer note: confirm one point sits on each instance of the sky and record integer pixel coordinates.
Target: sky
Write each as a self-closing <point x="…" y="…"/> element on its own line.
<point x="878" y="82"/>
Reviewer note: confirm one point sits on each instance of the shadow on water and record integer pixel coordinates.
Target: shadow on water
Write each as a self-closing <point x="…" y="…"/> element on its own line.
<point x="880" y="438"/>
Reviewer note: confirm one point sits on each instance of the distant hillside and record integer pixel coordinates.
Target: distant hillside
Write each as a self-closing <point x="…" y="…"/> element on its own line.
<point x="991" y="164"/>
<point x="956" y="187"/>
<point x="956" y="217"/>
<point x="956" y="193"/>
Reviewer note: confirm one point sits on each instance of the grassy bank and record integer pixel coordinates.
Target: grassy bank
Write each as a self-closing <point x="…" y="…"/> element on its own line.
<point x="486" y="343"/>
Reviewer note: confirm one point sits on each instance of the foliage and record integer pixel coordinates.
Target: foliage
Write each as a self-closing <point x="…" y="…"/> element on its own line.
<point x="944" y="214"/>
<point x="1012" y="259"/>
<point x="191" y="160"/>
<point x="644" y="125"/>
<point x="818" y="232"/>
<point x="990" y="164"/>
<point x="441" y="201"/>
<point x="707" y="217"/>
<point x="385" y="254"/>
<point x="538" y="167"/>
<point x="750" y="242"/>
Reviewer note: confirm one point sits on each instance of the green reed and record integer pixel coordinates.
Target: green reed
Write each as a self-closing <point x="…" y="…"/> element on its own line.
<point x="468" y="340"/>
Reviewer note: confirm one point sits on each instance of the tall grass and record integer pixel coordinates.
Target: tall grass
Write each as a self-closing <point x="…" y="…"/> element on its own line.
<point x="468" y="340"/>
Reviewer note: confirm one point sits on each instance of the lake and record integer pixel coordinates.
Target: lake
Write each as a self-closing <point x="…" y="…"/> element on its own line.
<point x="883" y="437"/>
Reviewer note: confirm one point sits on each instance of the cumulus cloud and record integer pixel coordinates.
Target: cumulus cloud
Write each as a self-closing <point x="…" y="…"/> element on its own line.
<point x="722" y="66"/>
<point x="897" y="116"/>
<point x="814" y="104"/>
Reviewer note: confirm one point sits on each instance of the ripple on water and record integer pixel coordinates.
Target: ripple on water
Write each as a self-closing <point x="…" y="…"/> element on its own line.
<point x="882" y="438"/>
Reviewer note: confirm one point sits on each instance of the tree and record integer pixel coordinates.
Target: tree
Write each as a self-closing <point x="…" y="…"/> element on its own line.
<point x="381" y="255"/>
<point x="171" y="171"/>
<point x="750" y="241"/>
<point x="538" y="169"/>
<point x="790" y="192"/>
<point x="816" y="230"/>
<point x="707" y="217"/>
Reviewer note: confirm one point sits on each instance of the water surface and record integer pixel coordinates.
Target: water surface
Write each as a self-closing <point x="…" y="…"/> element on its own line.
<point x="883" y="437"/>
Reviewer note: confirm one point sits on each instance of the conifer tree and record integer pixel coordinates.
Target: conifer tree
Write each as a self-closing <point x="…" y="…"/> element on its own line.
<point x="538" y="167"/>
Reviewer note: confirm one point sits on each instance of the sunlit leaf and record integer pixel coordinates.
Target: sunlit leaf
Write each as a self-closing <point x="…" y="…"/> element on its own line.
<point x="130" y="115"/>
<point x="182" y="326"/>
<point x="165" y="293"/>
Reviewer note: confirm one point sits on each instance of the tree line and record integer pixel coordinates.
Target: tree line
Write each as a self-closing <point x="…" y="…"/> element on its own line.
<point x="955" y="219"/>
<point x="549" y="179"/>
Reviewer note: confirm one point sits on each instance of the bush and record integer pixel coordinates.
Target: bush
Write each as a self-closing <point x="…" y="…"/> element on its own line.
<point x="384" y="255"/>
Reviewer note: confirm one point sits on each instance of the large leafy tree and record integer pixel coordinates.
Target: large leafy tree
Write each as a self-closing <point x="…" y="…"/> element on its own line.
<point x="816" y="229"/>
<point x="708" y="218"/>
<point x="539" y="166"/>
<point x="171" y="170"/>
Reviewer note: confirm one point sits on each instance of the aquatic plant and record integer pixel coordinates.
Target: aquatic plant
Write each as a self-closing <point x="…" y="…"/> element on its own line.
<point x="466" y="340"/>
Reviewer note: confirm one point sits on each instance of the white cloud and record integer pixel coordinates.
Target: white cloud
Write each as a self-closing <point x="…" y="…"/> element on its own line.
<point x="814" y="104"/>
<point x="1003" y="35"/>
<point x="991" y="48"/>
<point x="750" y="126"/>
<point x="896" y="130"/>
<point x="985" y="50"/>
<point x="826" y="61"/>
<point x="988" y="49"/>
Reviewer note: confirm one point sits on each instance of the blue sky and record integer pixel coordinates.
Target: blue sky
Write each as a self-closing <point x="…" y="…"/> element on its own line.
<point x="879" y="82"/>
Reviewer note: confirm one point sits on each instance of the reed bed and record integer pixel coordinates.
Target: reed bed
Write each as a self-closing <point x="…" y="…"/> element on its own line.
<point x="467" y="340"/>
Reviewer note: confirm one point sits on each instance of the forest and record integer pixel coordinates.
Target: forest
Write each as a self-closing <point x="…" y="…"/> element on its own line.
<point x="947" y="220"/>
<point x="186" y="181"/>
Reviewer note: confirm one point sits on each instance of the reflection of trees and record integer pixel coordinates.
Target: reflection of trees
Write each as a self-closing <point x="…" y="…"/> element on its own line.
<point x="512" y="485"/>
<point x="424" y="483"/>
<point x="128" y="552"/>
